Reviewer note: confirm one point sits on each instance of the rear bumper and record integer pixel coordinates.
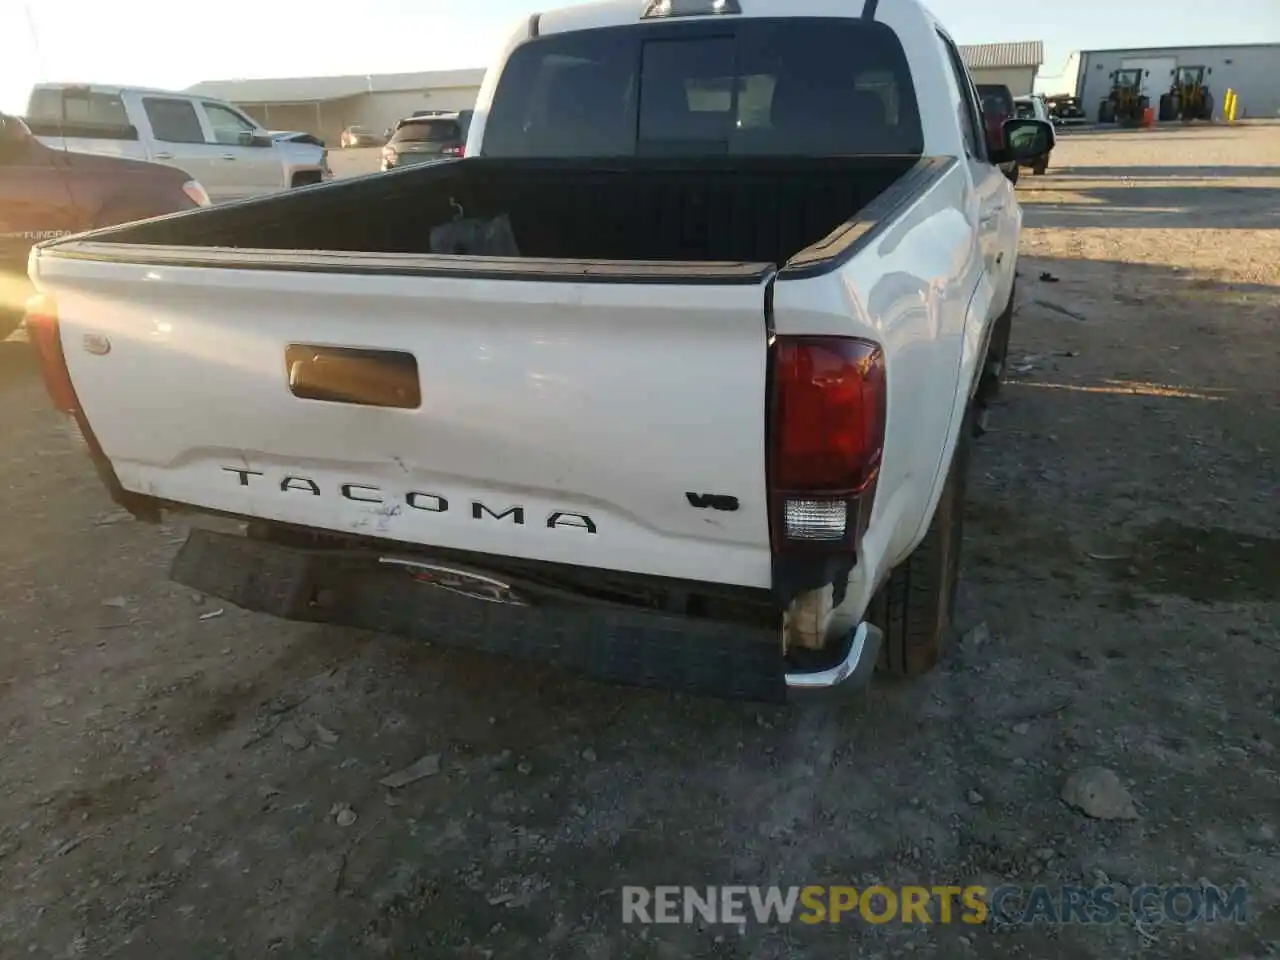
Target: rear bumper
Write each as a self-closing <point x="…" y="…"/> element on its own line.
<point x="608" y="642"/>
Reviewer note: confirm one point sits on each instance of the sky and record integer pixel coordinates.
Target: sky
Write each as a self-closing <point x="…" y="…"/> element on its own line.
<point x="159" y="43"/>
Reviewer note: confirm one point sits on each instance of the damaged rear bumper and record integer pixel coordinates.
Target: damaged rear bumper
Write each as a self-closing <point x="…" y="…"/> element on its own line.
<point x="608" y="642"/>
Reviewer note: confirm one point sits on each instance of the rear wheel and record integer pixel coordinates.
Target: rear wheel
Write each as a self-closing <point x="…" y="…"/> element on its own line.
<point x="997" y="359"/>
<point x="1206" y="110"/>
<point x="916" y="607"/>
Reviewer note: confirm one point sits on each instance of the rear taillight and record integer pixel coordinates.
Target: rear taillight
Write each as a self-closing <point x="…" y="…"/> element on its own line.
<point x="454" y="151"/>
<point x="826" y="439"/>
<point x="197" y="193"/>
<point x="42" y="330"/>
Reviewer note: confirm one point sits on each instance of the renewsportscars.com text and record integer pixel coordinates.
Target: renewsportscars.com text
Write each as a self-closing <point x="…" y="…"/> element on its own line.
<point x="972" y="904"/>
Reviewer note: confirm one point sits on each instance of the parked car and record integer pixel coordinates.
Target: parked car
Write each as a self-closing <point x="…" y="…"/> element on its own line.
<point x="693" y="408"/>
<point x="462" y="116"/>
<point x="1033" y="108"/>
<point x="47" y="193"/>
<point x="296" y="136"/>
<point x="418" y="139"/>
<point x="1065" y="110"/>
<point x="360" y="136"/>
<point x="997" y="108"/>
<point x="214" y="142"/>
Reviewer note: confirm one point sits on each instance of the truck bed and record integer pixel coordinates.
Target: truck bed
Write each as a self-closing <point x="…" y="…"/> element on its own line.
<point x="740" y="210"/>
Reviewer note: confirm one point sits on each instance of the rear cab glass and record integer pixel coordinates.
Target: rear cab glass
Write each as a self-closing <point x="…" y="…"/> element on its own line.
<point x="428" y="131"/>
<point x="996" y="101"/>
<point x="754" y="87"/>
<point x="78" y="105"/>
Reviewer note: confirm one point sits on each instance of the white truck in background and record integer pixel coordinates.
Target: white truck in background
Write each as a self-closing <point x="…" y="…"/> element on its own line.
<point x="213" y="141"/>
<point x="672" y="379"/>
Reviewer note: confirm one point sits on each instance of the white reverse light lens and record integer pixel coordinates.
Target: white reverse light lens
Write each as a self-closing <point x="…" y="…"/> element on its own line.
<point x="815" y="519"/>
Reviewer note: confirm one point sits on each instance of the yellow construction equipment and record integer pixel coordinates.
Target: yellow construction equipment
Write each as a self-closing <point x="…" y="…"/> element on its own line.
<point x="1189" y="97"/>
<point x="1125" y="104"/>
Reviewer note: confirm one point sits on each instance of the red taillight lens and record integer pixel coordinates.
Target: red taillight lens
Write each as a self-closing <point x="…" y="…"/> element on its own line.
<point x="826" y="438"/>
<point x="828" y="413"/>
<point x="454" y="151"/>
<point x="42" y="330"/>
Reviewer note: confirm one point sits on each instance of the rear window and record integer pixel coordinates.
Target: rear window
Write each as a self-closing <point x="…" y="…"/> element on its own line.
<point x="427" y="131"/>
<point x="996" y="100"/>
<point x="799" y="86"/>
<point x="71" y="105"/>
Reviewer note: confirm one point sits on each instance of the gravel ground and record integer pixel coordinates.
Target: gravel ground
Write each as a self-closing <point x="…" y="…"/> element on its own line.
<point x="183" y="784"/>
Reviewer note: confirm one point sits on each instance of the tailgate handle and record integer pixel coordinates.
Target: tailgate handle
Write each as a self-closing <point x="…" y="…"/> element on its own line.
<point x="355" y="375"/>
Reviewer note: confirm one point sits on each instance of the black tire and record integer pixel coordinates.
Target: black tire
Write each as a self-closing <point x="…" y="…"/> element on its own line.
<point x="996" y="362"/>
<point x="1167" y="111"/>
<point x="1206" y="111"/>
<point x="916" y="607"/>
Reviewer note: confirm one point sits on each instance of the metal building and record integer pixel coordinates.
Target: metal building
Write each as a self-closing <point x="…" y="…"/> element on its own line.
<point x="1013" y="64"/>
<point x="1251" y="70"/>
<point x="324" y="106"/>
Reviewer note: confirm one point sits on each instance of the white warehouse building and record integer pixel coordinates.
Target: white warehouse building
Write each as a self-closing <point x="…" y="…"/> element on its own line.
<point x="1014" y="65"/>
<point x="325" y="106"/>
<point x="1251" y="70"/>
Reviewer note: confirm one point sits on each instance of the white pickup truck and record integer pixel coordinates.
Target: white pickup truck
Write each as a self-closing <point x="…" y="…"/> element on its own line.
<point x="672" y="379"/>
<point x="214" y="142"/>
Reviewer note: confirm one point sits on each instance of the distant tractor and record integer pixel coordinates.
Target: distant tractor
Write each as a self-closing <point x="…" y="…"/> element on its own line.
<point x="1189" y="97"/>
<point x="1125" y="104"/>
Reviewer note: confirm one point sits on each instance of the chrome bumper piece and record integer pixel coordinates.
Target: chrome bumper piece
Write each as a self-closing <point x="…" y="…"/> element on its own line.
<point x="854" y="670"/>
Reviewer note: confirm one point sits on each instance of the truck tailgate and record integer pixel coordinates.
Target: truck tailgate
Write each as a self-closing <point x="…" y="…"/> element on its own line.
<point x="606" y="424"/>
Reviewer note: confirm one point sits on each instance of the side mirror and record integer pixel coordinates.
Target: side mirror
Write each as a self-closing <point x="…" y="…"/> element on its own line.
<point x="248" y="139"/>
<point x="1024" y="140"/>
<point x="1210" y="70"/>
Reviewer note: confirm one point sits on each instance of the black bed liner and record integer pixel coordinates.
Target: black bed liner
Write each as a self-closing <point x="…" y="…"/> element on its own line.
<point x="720" y="220"/>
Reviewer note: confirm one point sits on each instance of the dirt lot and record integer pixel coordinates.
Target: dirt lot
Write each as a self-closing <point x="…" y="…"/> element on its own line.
<point x="355" y="161"/>
<point x="173" y="785"/>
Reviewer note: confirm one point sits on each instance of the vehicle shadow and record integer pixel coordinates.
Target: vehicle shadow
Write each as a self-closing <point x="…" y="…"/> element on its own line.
<point x="1163" y="131"/>
<point x="1076" y="202"/>
<point x="1121" y="373"/>
<point x="1166" y="173"/>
